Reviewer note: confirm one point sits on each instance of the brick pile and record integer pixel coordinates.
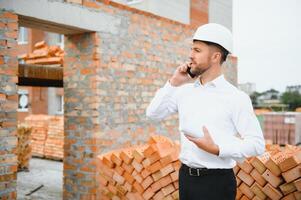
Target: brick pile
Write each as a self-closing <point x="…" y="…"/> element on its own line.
<point x="47" y="135"/>
<point x="44" y="55"/>
<point x="23" y="147"/>
<point x="274" y="175"/>
<point x="143" y="172"/>
<point x="282" y="128"/>
<point x="150" y="171"/>
<point x="55" y="138"/>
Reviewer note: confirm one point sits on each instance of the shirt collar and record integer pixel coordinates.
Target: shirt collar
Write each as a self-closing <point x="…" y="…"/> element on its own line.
<point x="217" y="82"/>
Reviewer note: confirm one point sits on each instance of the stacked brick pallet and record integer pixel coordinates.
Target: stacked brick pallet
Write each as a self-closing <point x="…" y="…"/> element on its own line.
<point x="44" y="55"/>
<point x="47" y="135"/>
<point x="143" y="172"/>
<point x="282" y="128"/>
<point x="55" y="138"/>
<point x="274" y="175"/>
<point x="39" y="124"/>
<point x="23" y="147"/>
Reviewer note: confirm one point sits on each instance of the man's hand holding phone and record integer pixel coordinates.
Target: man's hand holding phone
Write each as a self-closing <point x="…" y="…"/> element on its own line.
<point x="182" y="75"/>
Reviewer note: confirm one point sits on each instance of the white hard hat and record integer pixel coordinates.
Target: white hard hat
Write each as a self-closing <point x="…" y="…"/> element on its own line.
<point x="215" y="33"/>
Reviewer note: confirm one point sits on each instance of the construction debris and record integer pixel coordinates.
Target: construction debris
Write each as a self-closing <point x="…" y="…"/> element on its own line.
<point x="44" y="55"/>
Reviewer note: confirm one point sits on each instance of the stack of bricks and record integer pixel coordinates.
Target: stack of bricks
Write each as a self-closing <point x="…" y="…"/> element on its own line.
<point x="23" y="147"/>
<point x="47" y="135"/>
<point x="39" y="124"/>
<point x="55" y="138"/>
<point x="142" y="172"/>
<point x="274" y="175"/>
<point x="44" y="55"/>
<point x="8" y="104"/>
<point x="282" y="128"/>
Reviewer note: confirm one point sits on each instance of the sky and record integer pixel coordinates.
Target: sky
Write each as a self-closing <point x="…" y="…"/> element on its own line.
<point x="267" y="42"/>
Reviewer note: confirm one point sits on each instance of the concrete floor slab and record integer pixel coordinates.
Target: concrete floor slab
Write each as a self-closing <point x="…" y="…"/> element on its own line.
<point x="41" y="171"/>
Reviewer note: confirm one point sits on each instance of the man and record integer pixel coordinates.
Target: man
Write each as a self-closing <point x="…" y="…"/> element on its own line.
<point x="212" y="114"/>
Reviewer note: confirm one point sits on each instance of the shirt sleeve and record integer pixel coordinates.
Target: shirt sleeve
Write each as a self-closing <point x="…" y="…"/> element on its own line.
<point x="252" y="141"/>
<point x="164" y="103"/>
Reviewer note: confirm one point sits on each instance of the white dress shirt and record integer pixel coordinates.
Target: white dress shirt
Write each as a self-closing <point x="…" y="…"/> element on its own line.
<point x="219" y="106"/>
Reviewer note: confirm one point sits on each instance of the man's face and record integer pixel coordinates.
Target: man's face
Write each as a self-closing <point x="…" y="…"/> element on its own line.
<point x="200" y="55"/>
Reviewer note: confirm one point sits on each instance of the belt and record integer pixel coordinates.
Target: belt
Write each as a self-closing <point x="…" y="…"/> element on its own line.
<point x="203" y="171"/>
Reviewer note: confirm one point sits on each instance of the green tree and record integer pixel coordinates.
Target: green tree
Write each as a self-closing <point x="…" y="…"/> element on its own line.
<point x="254" y="98"/>
<point x="292" y="99"/>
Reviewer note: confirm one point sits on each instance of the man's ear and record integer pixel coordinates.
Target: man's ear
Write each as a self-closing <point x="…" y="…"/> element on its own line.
<point x="216" y="56"/>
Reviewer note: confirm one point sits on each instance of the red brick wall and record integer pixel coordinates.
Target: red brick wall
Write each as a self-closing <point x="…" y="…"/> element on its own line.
<point x="38" y="101"/>
<point x="82" y="125"/>
<point x="37" y="95"/>
<point x="8" y="104"/>
<point x="198" y="12"/>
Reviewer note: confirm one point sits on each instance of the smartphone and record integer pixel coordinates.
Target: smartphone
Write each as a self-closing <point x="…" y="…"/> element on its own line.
<point x="189" y="72"/>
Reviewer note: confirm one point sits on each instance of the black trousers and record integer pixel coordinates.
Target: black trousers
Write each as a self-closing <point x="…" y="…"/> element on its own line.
<point x="206" y="184"/>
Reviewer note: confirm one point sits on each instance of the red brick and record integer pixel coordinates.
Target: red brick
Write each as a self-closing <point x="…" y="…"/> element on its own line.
<point x="287" y="188"/>
<point x="257" y="190"/>
<point x="154" y="167"/>
<point x="138" y="167"/>
<point x="246" y="178"/>
<point x="275" y="181"/>
<point x="168" y="189"/>
<point x="158" y="196"/>
<point x="246" y="190"/>
<point x="2" y="25"/>
<point x="74" y="1"/>
<point x="127" y="167"/>
<point x="271" y="192"/>
<point x="8" y="15"/>
<point x="115" y="158"/>
<point x="165" y="181"/>
<point x="298" y="184"/>
<point x="259" y="162"/>
<point x="292" y="174"/>
<point x="148" y="194"/>
<point x="127" y="156"/>
<point x="297" y="195"/>
<point x="290" y="196"/>
<point x="246" y="166"/>
<point x="147" y="182"/>
<point x="138" y="187"/>
<point x="128" y="177"/>
<point x="2" y="97"/>
<point x="145" y="173"/>
<point x="3" y="44"/>
<point x="258" y="177"/>
<point x="12" y="25"/>
<point x="11" y="34"/>
<point x="290" y="162"/>
<point x="273" y="167"/>
<point x="174" y="176"/>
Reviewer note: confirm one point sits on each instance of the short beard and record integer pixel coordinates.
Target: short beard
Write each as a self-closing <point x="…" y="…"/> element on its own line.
<point x="198" y="71"/>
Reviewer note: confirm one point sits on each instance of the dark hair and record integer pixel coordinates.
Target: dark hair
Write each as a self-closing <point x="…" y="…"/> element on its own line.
<point x="223" y="51"/>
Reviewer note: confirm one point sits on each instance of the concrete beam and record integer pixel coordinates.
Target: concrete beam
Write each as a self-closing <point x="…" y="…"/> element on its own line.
<point x="61" y="17"/>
